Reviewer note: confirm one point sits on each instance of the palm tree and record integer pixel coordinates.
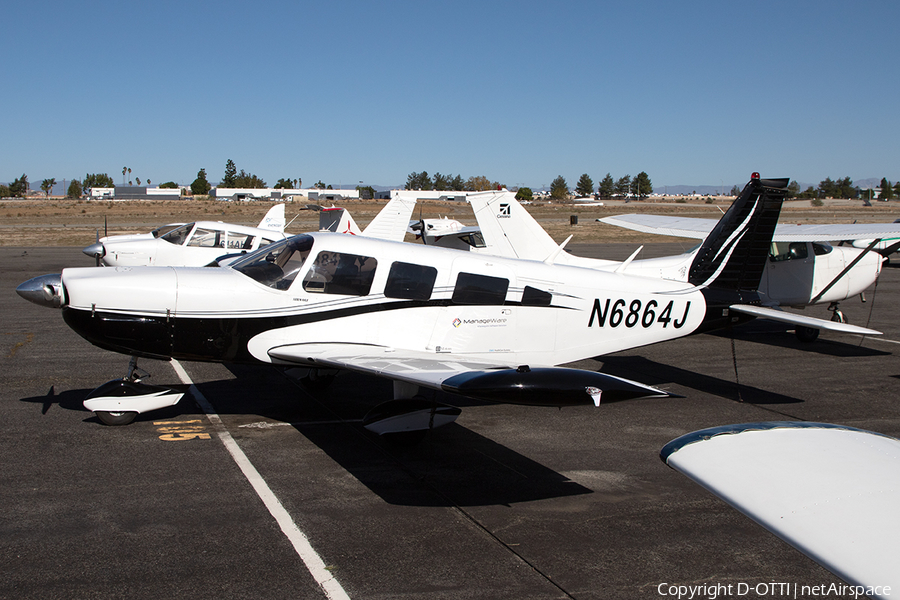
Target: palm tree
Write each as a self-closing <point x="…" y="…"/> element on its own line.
<point x="124" y="170"/>
<point x="47" y="185"/>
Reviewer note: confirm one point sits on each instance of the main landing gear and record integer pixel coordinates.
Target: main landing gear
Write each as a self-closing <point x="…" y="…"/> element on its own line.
<point x="119" y="401"/>
<point x="810" y="334"/>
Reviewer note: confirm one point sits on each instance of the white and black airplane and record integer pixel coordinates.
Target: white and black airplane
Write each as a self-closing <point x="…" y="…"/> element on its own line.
<point x="484" y="327"/>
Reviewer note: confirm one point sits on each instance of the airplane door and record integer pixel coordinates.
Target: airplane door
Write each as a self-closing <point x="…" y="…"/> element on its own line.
<point x="789" y="274"/>
<point x="479" y="317"/>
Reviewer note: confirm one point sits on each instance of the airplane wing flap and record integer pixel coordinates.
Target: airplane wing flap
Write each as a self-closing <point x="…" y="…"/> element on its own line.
<point x="795" y="319"/>
<point x="427" y="369"/>
<point x="828" y="490"/>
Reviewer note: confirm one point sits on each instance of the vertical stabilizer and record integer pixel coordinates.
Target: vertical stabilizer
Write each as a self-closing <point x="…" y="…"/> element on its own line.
<point x="733" y="255"/>
<point x="508" y="229"/>
<point x="392" y="221"/>
<point x="274" y="219"/>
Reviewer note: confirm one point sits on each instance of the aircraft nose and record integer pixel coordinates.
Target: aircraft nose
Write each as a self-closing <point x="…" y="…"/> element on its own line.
<point x="95" y="250"/>
<point x="45" y="290"/>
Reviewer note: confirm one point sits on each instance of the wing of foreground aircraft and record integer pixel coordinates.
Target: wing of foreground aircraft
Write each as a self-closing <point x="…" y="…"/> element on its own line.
<point x="830" y="491"/>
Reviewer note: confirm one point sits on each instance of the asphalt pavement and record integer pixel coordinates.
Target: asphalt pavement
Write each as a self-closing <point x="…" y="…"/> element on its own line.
<point x="509" y="502"/>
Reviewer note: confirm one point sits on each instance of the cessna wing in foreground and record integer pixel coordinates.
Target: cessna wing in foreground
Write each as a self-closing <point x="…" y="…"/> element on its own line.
<point x="483" y="327"/>
<point x="830" y="491"/>
<point x="800" y="271"/>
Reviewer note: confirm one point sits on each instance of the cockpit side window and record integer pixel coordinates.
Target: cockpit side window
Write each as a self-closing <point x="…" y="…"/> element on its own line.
<point x="178" y="235"/>
<point x="820" y="249"/>
<point x="207" y="238"/>
<point x="787" y="251"/>
<point x="278" y="264"/>
<point x="340" y="273"/>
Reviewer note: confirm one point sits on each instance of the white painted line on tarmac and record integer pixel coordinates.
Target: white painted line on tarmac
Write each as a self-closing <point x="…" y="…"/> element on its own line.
<point x="298" y="539"/>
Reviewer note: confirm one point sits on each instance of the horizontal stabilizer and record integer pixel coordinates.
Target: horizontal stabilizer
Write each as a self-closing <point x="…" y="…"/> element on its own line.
<point x="830" y="491"/>
<point x="785" y="317"/>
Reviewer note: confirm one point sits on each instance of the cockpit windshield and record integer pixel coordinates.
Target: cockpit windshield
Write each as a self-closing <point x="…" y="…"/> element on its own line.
<point x="178" y="235"/>
<point x="277" y="264"/>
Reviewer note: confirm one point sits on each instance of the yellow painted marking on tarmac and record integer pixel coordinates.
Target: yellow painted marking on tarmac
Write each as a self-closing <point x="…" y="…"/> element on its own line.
<point x="177" y="431"/>
<point x="28" y="338"/>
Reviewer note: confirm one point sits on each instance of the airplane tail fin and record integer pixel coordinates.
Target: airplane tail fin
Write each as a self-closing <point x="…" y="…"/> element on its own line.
<point x="508" y="229"/>
<point x="733" y="255"/>
<point x="274" y="219"/>
<point x="337" y="219"/>
<point x="393" y="220"/>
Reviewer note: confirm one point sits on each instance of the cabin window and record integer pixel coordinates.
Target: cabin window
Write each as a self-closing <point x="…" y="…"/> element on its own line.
<point x="239" y="241"/>
<point x="410" y="282"/>
<point x="178" y="235"/>
<point x="278" y="264"/>
<point x="479" y="289"/>
<point x="820" y="249"/>
<point x="207" y="238"/>
<point x="474" y="239"/>
<point x="787" y="251"/>
<point x="535" y="297"/>
<point x="340" y="273"/>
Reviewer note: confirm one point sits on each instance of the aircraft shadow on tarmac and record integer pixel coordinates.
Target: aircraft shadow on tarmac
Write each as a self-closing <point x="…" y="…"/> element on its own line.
<point x="782" y="336"/>
<point x="659" y="374"/>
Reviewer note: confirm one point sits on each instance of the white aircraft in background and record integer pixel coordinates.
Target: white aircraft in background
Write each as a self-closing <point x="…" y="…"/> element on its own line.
<point x="203" y="243"/>
<point x="830" y="491"/>
<point x="190" y="244"/>
<point x="484" y="327"/>
<point x="797" y="274"/>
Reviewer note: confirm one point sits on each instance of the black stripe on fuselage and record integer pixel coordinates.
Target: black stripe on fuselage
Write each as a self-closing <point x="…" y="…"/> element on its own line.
<point x="214" y="338"/>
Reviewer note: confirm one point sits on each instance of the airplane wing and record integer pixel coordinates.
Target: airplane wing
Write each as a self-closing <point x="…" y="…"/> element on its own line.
<point x="474" y="377"/>
<point x="830" y="491"/>
<point x="688" y="227"/>
<point x="787" y="317"/>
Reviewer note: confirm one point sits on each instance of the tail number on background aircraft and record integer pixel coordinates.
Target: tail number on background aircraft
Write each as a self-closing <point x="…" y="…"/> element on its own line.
<point x="634" y="313"/>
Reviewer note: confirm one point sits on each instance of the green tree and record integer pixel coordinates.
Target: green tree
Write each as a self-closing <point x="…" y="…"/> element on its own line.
<point x="886" y="190"/>
<point x="897" y="189"/>
<point x="641" y="185"/>
<point x="169" y="185"/>
<point x="248" y="180"/>
<point x="230" y="178"/>
<point x="559" y="189"/>
<point x="480" y="183"/>
<point x="19" y="187"/>
<point x="200" y="186"/>
<point x="440" y="182"/>
<point x="47" y="185"/>
<point x="284" y="184"/>
<point x="623" y="186"/>
<point x="98" y="180"/>
<point x="793" y="189"/>
<point x="366" y="192"/>
<point x="456" y="184"/>
<point x="525" y="194"/>
<point x="418" y="181"/>
<point x="736" y="191"/>
<point x="74" y="190"/>
<point x="607" y="187"/>
<point x="4" y="191"/>
<point x="585" y="186"/>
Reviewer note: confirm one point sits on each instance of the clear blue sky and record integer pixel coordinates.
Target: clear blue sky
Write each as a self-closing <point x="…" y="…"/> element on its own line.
<point x="692" y="93"/>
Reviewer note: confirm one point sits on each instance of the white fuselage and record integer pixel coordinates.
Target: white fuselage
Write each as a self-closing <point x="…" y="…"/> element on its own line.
<point x="511" y="310"/>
